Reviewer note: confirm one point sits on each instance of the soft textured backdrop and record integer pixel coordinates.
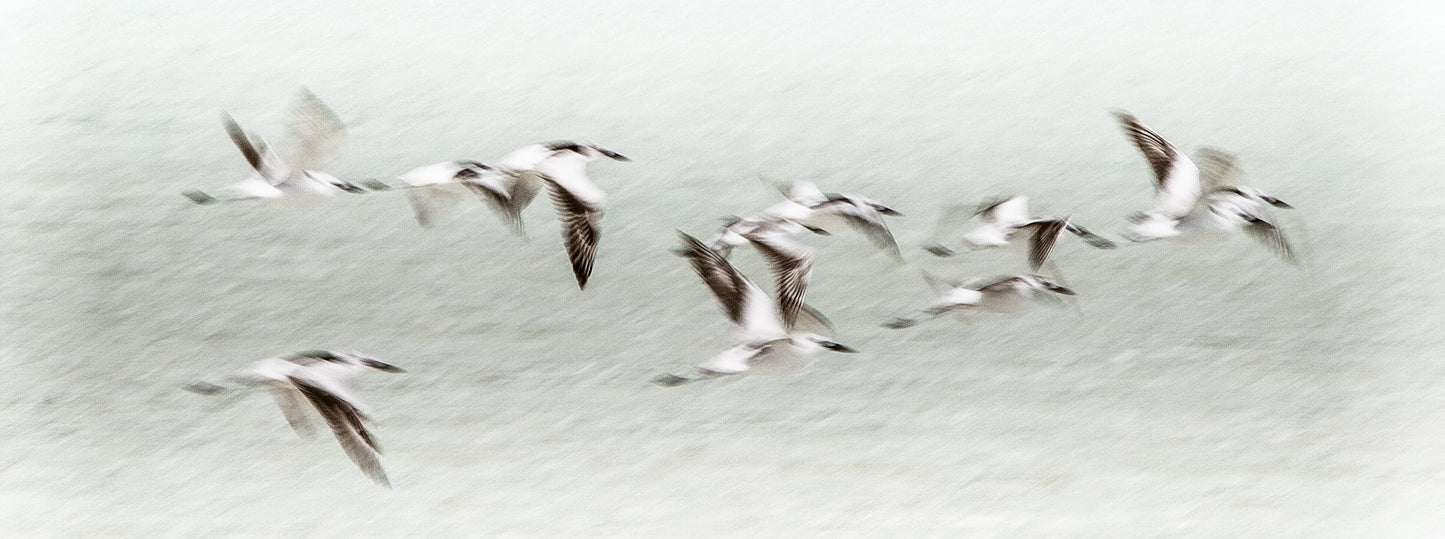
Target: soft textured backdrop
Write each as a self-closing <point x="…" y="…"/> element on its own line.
<point x="1207" y="391"/>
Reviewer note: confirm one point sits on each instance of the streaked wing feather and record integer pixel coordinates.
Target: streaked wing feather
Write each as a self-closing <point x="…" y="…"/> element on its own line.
<point x="726" y="283"/>
<point x="289" y="401"/>
<point x="1271" y="237"/>
<point x="1159" y="152"/>
<point x="791" y="264"/>
<point x="345" y="421"/>
<point x="1045" y="234"/>
<point x="579" y="230"/>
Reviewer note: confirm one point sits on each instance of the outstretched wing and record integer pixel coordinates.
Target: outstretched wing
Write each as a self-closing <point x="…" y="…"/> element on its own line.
<point x="1045" y="234"/>
<point x="792" y="264"/>
<point x="314" y="134"/>
<point x="258" y="155"/>
<point x="1176" y="178"/>
<point x="865" y="220"/>
<point x="1218" y="169"/>
<point x="1159" y="152"/>
<point x="580" y="231"/>
<point x="346" y="423"/>
<point x="1270" y="236"/>
<point x="727" y="284"/>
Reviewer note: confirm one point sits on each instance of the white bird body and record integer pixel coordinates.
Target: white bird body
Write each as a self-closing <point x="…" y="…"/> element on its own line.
<point x="809" y="207"/>
<point x="1005" y="220"/>
<point x="767" y="338"/>
<point x="1194" y="205"/>
<point x="436" y="189"/>
<point x="315" y="132"/>
<point x="1005" y="295"/>
<point x="319" y="377"/>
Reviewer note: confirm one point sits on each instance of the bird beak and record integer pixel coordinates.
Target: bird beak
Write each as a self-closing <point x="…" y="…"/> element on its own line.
<point x="612" y="154"/>
<point x="381" y="366"/>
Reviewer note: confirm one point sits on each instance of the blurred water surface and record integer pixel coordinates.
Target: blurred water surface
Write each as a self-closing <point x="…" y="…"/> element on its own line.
<point x="1209" y="391"/>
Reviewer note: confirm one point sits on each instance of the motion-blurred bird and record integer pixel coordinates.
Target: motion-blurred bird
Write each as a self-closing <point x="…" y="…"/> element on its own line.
<point x="315" y="132"/>
<point x="1194" y="205"/>
<point x="735" y="230"/>
<point x="812" y="208"/>
<point x="768" y="337"/>
<point x="319" y="377"/>
<point x="578" y="201"/>
<point x="435" y="190"/>
<point x="1005" y="295"/>
<point x="1005" y="220"/>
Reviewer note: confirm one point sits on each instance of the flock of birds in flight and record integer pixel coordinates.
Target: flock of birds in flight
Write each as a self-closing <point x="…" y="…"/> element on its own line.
<point x="1192" y="201"/>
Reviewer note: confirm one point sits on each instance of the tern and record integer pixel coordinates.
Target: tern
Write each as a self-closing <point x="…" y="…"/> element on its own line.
<point x="577" y="200"/>
<point x="768" y="338"/>
<point x="1194" y="204"/>
<point x="1004" y="295"/>
<point x="314" y="134"/>
<point x="735" y="231"/>
<point x="1004" y="220"/>
<point x="318" y="378"/>
<point x="812" y="208"/>
<point x="435" y="190"/>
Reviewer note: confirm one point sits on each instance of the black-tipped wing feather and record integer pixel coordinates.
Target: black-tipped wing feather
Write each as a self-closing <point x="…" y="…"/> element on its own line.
<point x="1159" y="152"/>
<point x="791" y="264"/>
<point x="727" y="284"/>
<point x="346" y="423"/>
<point x="242" y="142"/>
<point x="1045" y="233"/>
<point x="580" y="232"/>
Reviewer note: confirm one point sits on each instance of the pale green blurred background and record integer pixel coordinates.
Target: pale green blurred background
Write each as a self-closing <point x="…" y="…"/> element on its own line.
<point x="1205" y="391"/>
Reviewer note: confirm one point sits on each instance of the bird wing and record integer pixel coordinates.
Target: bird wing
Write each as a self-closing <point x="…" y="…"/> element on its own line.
<point x="580" y="231"/>
<point x="813" y="321"/>
<point x="1045" y="233"/>
<point x="345" y="420"/>
<point x="1270" y="236"/>
<point x="1006" y="212"/>
<point x="261" y="158"/>
<point x="746" y="306"/>
<point x="433" y="202"/>
<point x="1218" y="169"/>
<point x="727" y="284"/>
<point x="314" y="134"/>
<point x="1176" y="178"/>
<point x="521" y="188"/>
<point x="865" y="220"/>
<point x="289" y="399"/>
<point x="792" y="264"/>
